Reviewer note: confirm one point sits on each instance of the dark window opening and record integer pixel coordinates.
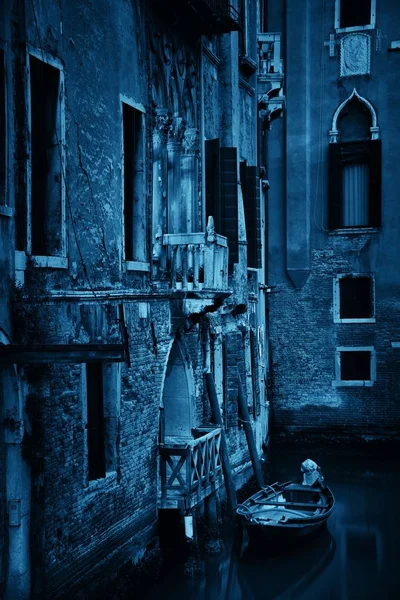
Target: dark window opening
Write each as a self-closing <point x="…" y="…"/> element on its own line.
<point x="243" y="25"/>
<point x="355" y="184"/>
<point x="263" y="16"/>
<point x="250" y="183"/>
<point x="46" y="210"/>
<point x="355" y="298"/>
<point x="355" y="12"/>
<point x="95" y="421"/>
<point x="3" y="141"/>
<point x="355" y="365"/>
<point x="222" y="193"/>
<point x="134" y="187"/>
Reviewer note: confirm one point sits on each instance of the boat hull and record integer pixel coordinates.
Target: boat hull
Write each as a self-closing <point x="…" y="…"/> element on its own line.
<point x="285" y="513"/>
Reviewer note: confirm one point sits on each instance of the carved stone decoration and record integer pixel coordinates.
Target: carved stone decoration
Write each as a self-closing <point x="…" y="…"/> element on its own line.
<point x="177" y="130"/>
<point x="161" y="129"/>
<point x="191" y="141"/>
<point x="355" y="54"/>
<point x="374" y="129"/>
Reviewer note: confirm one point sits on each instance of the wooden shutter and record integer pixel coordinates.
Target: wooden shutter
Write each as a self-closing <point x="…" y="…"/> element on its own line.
<point x="95" y="420"/>
<point x="252" y="211"/>
<point x="213" y="193"/>
<point x="255" y="372"/>
<point x="229" y="201"/>
<point x="335" y="192"/>
<point x="375" y="183"/>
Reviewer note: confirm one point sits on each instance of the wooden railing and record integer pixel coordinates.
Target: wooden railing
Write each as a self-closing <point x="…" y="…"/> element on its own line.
<point x="198" y="260"/>
<point x="269" y="54"/>
<point x="187" y="470"/>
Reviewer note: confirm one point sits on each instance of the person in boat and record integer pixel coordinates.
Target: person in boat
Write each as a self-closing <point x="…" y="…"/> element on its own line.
<point x="312" y="474"/>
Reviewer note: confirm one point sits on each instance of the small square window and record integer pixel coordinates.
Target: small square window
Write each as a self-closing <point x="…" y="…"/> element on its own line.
<point x="352" y="15"/>
<point x="355" y="366"/>
<point x="354" y="299"/>
<point x="356" y="12"/>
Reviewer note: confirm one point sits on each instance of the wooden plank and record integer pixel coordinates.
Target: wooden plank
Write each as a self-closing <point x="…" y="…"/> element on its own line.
<point x="226" y="466"/>
<point x="61" y="353"/>
<point x="249" y="434"/>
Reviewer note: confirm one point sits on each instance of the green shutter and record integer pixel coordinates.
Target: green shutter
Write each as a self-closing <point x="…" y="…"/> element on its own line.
<point x="229" y="202"/>
<point x="213" y="175"/>
<point x="375" y="183"/>
<point x="252" y="211"/>
<point x="335" y="193"/>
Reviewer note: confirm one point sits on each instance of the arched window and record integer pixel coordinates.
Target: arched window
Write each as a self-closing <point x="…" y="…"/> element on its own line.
<point x="354" y="166"/>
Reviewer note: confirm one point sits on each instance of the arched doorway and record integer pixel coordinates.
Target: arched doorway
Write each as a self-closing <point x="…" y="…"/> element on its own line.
<point x="178" y="398"/>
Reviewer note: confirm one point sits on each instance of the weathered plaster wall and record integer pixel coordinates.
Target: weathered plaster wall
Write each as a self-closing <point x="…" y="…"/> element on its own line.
<point x="77" y="526"/>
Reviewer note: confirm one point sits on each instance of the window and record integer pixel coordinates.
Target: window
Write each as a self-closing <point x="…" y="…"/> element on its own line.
<point x="222" y="193"/>
<point x="354" y="299"/>
<point x="102" y="417"/>
<point x="134" y="184"/>
<point x="263" y="16"/>
<point x="355" y="14"/>
<point x="3" y="130"/>
<point x="242" y="4"/>
<point x="250" y="183"/>
<point x="46" y="189"/>
<point x="355" y="184"/>
<point x="354" y="167"/>
<point x="355" y="366"/>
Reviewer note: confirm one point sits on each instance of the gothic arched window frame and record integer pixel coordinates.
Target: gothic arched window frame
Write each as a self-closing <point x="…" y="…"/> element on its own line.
<point x="366" y="154"/>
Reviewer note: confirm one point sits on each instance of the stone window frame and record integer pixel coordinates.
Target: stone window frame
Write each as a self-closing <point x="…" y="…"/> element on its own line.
<point x="336" y="298"/>
<point x="111" y="411"/>
<point x="337" y="382"/>
<point x="371" y="25"/>
<point x="59" y="261"/>
<point x="133" y="265"/>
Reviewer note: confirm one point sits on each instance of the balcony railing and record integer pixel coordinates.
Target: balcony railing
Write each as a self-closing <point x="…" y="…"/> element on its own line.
<point x="269" y="55"/>
<point x="198" y="261"/>
<point x="190" y="471"/>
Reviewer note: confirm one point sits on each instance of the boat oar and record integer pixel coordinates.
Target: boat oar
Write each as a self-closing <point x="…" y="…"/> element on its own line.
<point x="249" y="434"/>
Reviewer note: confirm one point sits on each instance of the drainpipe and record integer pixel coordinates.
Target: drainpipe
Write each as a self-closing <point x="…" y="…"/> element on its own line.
<point x="17" y="489"/>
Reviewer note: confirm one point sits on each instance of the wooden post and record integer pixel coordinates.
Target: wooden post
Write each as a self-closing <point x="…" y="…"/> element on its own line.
<point x="226" y="466"/>
<point x="249" y="434"/>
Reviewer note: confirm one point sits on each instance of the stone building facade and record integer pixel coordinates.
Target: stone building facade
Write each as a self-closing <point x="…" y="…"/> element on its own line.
<point x="333" y="221"/>
<point x="133" y="263"/>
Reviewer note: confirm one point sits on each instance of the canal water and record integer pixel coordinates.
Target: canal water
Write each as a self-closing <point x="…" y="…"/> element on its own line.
<point x="356" y="557"/>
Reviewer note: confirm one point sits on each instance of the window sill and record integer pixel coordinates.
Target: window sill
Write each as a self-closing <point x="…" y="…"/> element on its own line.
<point x="354" y="28"/>
<point x="355" y="383"/>
<point x="135" y="265"/>
<point x="103" y="484"/>
<point x="336" y="320"/>
<point x="6" y="211"/>
<point x="355" y="231"/>
<point x="53" y="262"/>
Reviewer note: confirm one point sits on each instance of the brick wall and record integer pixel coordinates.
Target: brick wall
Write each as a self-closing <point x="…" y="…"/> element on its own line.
<point x="303" y="339"/>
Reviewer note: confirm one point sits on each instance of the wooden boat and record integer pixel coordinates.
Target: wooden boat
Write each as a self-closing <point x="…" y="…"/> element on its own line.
<point x="286" y="512"/>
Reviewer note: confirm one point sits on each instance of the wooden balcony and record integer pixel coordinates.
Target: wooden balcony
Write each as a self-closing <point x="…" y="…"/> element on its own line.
<point x="198" y="261"/>
<point x="190" y="471"/>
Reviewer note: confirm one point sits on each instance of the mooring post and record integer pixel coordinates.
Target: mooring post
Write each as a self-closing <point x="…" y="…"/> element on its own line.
<point x="226" y="465"/>
<point x="249" y="434"/>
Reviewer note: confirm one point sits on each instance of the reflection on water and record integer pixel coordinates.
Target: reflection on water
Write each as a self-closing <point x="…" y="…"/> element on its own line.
<point x="354" y="558"/>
